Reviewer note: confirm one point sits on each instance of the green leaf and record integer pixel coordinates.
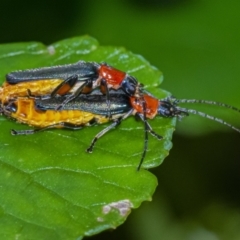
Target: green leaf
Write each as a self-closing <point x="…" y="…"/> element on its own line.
<point x="50" y="187"/>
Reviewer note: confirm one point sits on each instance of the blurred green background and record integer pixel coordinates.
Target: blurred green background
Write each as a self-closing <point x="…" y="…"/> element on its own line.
<point x="196" y="45"/>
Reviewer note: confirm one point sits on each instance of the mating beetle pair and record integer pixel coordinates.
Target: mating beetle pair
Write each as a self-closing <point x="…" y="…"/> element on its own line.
<point x="62" y="97"/>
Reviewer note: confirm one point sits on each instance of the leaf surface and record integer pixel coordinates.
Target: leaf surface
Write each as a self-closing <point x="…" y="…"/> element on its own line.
<point x="50" y="187"/>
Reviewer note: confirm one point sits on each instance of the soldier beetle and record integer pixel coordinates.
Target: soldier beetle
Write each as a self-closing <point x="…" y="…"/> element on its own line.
<point x="88" y="109"/>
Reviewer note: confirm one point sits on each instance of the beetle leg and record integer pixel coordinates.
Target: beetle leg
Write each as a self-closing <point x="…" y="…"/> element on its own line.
<point x="30" y="95"/>
<point x="62" y="89"/>
<point x="57" y="125"/>
<point x="65" y="86"/>
<point x="70" y="97"/>
<point x="147" y="128"/>
<point x="105" y="130"/>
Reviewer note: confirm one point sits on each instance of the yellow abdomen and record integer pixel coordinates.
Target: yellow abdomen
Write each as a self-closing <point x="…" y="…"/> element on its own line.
<point x="28" y="114"/>
<point x="37" y="88"/>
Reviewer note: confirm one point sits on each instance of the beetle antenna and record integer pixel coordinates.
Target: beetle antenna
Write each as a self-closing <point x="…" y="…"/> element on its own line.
<point x="205" y="115"/>
<point x="207" y="102"/>
<point x="145" y="134"/>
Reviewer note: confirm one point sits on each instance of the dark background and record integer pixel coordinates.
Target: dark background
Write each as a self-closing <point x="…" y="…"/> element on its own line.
<point x="196" y="45"/>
